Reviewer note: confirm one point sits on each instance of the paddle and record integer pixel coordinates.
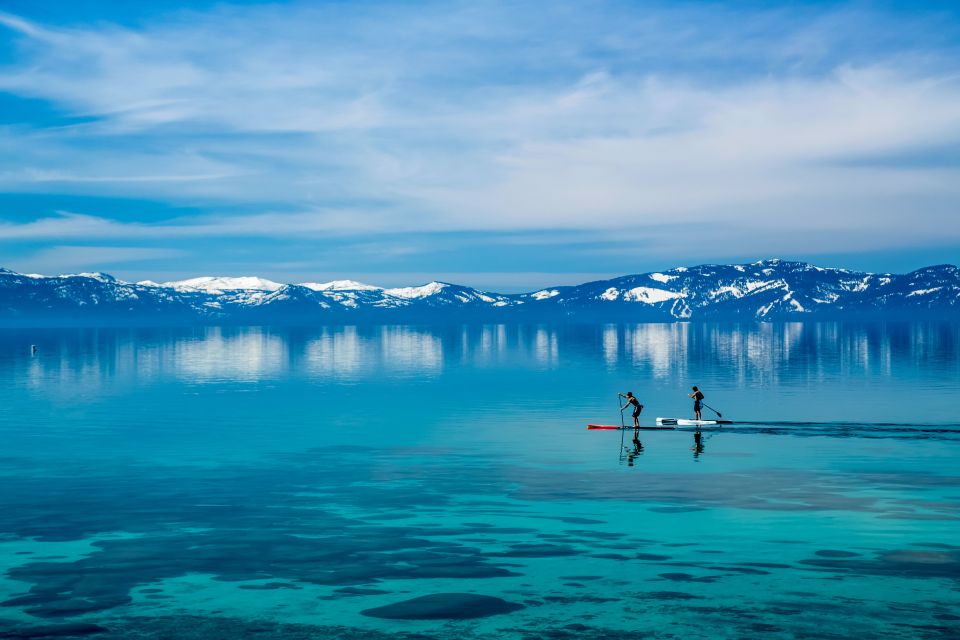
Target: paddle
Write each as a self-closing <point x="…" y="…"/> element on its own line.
<point x="620" y="395"/>
<point x="719" y="415"/>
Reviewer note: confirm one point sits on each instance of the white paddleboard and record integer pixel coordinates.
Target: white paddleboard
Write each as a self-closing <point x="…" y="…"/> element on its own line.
<point x="683" y="422"/>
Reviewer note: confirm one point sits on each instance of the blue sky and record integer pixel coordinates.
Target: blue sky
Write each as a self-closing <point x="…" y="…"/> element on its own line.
<point x="506" y="145"/>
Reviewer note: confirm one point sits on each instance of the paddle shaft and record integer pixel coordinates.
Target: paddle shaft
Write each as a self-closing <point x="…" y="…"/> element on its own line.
<point x="719" y="415"/>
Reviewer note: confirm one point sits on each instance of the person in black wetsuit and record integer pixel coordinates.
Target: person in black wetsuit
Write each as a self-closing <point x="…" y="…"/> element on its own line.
<point x="697" y="396"/>
<point x="637" y="407"/>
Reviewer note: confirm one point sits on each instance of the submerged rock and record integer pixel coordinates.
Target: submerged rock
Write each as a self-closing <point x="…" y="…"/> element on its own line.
<point x="444" y="606"/>
<point x="835" y="553"/>
<point x="72" y="630"/>
<point x="57" y="608"/>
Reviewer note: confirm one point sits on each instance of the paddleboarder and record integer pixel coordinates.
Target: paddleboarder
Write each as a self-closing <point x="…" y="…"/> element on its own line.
<point x="697" y="396"/>
<point x="637" y="407"/>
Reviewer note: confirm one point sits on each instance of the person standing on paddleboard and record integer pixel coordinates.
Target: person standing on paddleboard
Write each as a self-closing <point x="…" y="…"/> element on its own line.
<point x="697" y="396"/>
<point x="637" y="407"/>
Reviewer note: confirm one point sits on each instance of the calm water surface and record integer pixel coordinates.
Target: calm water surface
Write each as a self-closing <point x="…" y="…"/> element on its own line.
<point x="225" y="483"/>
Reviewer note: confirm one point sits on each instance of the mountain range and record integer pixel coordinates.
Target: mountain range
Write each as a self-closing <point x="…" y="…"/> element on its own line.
<point x="767" y="290"/>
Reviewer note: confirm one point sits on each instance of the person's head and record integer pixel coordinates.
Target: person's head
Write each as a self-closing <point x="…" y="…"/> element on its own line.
<point x="629" y="394"/>
<point x="695" y="388"/>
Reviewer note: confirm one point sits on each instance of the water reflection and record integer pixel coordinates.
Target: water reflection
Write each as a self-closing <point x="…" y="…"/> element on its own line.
<point x="698" y="441"/>
<point x="660" y="347"/>
<point x="632" y="452"/>
<point x="731" y="355"/>
<point x="546" y="347"/>
<point x="337" y="352"/>
<point x="611" y="345"/>
<point x="222" y="354"/>
<point x="407" y="349"/>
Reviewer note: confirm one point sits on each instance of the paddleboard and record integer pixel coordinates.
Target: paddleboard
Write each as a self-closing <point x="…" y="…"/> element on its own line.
<point x="682" y="422"/>
<point x="614" y="427"/>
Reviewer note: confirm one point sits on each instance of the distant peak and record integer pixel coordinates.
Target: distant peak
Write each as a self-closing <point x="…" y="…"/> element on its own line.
<point x="216" y="284"/>
<point x="96" y="275"/>
<point x="939" y="268"/>
<point x="775" y="262"/>
<point x="340" y="285"/>
<point x="424" y="291"/>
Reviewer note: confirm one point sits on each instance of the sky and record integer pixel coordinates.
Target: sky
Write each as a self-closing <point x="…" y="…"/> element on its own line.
<point x="506" y="145"/>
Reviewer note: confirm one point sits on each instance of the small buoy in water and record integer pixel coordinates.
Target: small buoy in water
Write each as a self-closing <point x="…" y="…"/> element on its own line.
<point x="33" y="349"/>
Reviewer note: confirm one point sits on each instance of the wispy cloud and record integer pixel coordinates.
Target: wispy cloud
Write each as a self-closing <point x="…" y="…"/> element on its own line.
<point x="783" y="124"/>
<point x="58" y="259"/>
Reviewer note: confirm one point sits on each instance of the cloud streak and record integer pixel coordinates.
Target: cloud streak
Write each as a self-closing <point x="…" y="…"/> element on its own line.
<point x="60" y="259"/>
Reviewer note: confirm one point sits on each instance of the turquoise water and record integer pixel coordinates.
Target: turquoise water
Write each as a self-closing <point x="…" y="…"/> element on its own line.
<point x="225" y="483"/>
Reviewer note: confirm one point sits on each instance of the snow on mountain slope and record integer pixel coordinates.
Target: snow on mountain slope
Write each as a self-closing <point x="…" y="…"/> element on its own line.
<point x="544" y="294"/>
<point x="661" y="277"/>
<point x="218" y="284"/>
<point x="340" y="285"/>
<point x="96" y="275"/>
<point x="766" y="290"/>
<point x="425" y="291"/>
<point x="650" y="295"/>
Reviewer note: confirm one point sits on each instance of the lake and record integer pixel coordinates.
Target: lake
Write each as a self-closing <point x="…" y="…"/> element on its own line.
<point x="375" y="482"/>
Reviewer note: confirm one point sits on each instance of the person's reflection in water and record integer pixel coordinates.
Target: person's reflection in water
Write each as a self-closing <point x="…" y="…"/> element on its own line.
<point x="637" y="448"/>
<point x="697" y="444"/>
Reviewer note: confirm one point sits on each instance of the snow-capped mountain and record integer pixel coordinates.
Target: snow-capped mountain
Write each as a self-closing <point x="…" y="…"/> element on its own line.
<point x="764" y="290"/>
<point x="213" y="284"/>
<point x="340" y="285"/>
